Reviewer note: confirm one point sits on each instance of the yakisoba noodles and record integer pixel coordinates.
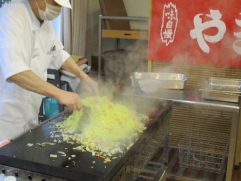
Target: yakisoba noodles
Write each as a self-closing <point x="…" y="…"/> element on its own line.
<point x="102" y="126"/>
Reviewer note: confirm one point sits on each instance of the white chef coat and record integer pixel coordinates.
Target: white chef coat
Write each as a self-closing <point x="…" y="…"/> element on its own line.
<point x="24" y="45"/>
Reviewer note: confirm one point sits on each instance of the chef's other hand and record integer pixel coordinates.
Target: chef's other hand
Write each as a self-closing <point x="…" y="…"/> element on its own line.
<point x="70" y="100"/>
<point x="90" y="85"/>
<point x="4" y="142"/>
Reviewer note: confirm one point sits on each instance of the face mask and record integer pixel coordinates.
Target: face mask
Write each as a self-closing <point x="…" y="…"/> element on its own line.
<point x="50" y="12"/>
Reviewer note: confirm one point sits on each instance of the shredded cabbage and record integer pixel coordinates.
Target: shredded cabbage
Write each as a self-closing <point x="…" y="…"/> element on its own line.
<point x="102" y="126"/>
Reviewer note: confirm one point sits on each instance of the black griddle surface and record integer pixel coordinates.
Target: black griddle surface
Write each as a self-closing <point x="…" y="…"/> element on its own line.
<point x="83" y="167"/>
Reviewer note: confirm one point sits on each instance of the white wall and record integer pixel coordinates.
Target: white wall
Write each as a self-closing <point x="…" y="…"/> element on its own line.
<point x="56" y="23"/>
<point x="137" y="7"/>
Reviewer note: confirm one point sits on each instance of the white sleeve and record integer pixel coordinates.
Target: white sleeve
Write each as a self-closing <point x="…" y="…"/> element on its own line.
<point x="12" y="45"/>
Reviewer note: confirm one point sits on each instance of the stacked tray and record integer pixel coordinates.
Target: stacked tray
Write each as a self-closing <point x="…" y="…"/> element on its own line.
<point x="166" y="80"/>
<point x="222" y="89"/>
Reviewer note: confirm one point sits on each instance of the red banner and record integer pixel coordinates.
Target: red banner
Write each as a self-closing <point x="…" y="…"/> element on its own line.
<point x="200" y="32"/>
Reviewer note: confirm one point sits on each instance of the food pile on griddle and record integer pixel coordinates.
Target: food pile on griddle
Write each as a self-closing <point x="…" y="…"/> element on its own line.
<point x="103" y="127"/>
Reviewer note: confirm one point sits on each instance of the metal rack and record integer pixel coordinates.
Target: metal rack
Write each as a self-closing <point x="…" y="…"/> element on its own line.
<point x="218" y="128"/>
<point x="175" y="171"/>
<point x="203" y="151"/>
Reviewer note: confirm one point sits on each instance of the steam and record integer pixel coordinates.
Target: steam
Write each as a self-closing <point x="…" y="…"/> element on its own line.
<point x="120" y="64"/>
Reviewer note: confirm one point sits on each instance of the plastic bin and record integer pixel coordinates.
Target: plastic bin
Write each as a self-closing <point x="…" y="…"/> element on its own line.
<point x="51" y="107"/>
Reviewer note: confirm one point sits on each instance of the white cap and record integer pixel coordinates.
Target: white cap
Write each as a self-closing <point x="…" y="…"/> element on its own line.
<point x="10" y="178"/>
<point x="64" y="3"/>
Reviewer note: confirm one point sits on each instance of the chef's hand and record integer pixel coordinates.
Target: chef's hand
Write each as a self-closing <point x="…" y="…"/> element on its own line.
<point x="90" y="85"/>
<point x="70" y="100"/>
<point x="4" y="142"/>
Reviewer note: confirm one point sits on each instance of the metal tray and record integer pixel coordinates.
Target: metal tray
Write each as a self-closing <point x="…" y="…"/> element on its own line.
<point x="222" y="89"/>
<point x="167" y="80"/>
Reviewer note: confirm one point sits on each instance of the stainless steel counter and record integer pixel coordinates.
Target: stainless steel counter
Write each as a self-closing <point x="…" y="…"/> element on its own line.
<point x="182" y="96"/>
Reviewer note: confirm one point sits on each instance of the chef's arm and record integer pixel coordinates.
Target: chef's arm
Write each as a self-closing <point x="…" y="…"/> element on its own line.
<point x="71" y="66"/>
<point x="31" y="82"/>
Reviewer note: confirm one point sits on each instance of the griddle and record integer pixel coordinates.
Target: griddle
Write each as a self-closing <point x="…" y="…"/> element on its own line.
<point x="80" y="168"/>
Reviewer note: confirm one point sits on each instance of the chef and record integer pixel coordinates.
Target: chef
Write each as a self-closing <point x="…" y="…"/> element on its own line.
<point x="28" y="47"/>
